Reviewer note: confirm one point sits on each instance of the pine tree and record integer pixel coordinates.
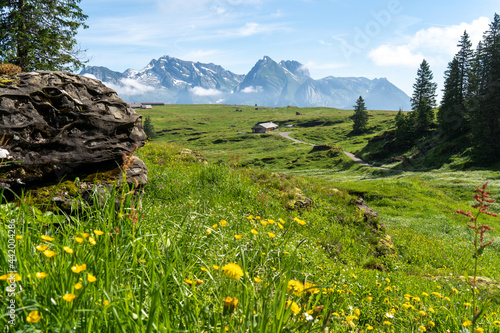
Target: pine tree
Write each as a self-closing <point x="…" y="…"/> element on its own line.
<point x="149" y="128"/>
<point x="453" y="116"/>
<point x="485" y="99"/>
<point x="424" y="97"/>
<point x="40" y="34"/>
<point x="404" y="130"/>
<point x="360" y="116"/>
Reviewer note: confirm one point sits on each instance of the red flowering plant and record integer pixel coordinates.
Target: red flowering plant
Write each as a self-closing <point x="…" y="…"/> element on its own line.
<point x="483" y="203"/>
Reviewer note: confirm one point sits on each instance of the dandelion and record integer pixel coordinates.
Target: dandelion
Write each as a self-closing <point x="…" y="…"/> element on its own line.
<point x="92" y="241"/>
<point x="270" y="221"/>
<point x="431" y="310"/>
<point x="232" y="271"/>
<point x="294" y="307"/>
<point x="47" y="238"/>
<point x="91" y="278"/>
<point x="357" y="312"/>
<point x="238" y="236"/>
<point x="223" y="223"/>
<point x="431" y="324"/>
<point x="255" y="232"/>
<point x="250" y="217"/>
<point x="231" y="302"/>
<point x="42" y="248"/>
<point x="422" y="328"/>
<point x="78" y="286"/>
<point x="49" y="253"/>
<point x="466" y="304"/>
<point x="68" y="249"/>
<point x="270" y="234"/>
<point x="479" y="330"/>
<point x="105" y="303"/>
<point x="422" y="313"/>
<point x="295" y="287"/>
<point x="369" y="299"/>
<point x="69" y="297"/>
<point x="425" y="294"/>
<point x="437" y="294"/>
<point x="11" y="276"/>
<point x="98" y="233"/>
<point x="369" y="327"/>
<point x="41" y="275"/>
<point x="467" y="323"/>
<point x="33" y="317"/>
<point x="263" y="222"/>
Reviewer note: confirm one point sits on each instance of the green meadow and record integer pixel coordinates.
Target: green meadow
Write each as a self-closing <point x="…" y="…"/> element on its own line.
<point x="241" y="232"/>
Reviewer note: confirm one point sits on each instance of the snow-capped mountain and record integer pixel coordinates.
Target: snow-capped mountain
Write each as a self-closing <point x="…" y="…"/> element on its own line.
<point x="174" y="81"/>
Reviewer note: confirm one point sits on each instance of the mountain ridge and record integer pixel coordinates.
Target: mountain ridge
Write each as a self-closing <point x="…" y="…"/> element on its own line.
<point x="268" y="83"/>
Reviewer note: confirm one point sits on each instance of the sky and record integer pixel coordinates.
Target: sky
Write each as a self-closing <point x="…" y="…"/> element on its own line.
<point x="369" y="38"/>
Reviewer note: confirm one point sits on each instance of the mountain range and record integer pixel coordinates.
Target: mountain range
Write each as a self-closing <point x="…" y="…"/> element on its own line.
<point x="269" y="83"/>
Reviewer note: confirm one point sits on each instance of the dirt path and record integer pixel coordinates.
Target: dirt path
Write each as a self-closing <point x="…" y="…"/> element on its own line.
<point x="351" y="156"/>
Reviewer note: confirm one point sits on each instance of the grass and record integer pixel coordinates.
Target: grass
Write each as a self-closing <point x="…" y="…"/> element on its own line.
<point x="172" y="265"/>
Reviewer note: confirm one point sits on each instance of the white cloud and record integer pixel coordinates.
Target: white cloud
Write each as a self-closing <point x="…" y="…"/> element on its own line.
<point x="199" y="91"/>
<point x="331" y="65"/>
<point x="252" y="89"/>
<point x="437" y="44"/>
<point x="130" y="87"/>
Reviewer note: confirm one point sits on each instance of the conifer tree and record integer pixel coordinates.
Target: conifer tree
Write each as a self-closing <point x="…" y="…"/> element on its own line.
<point x="452" y="115"/>
<point x="485" y="98"/>
<point x="404" y="130"/>
<point x="360" y="116"/>
<point x="149" y="128"/>
<point x="424" y="97"/>
<point x="40" y="34"/>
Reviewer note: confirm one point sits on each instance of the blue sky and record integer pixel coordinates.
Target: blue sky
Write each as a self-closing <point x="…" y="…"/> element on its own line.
<point x="367" y="38"/>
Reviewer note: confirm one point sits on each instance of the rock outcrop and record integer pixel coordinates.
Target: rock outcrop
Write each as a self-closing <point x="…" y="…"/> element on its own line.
<point x="58" y="126"/>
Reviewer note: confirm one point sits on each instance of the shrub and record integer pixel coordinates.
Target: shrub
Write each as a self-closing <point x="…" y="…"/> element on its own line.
<point x="7" y="69"/>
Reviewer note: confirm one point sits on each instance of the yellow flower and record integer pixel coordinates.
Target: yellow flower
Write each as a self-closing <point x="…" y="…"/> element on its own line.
<point x="369" y="299"/>
<point x="258" y="217"/>
<point x="49" y="253"/>
<point x="466" y="304"/>
<point x="79" y="240"/>
<point x="214" y="226"/>
<point x="496" y="323"/>
<point x="379" y="284"/>
<point x="431" y="324"/>
<point x="42" y="248"/>
<point x="270" y="221"/>
<point x="294" y="308"/>
<point x="436" y="294"/>
<point x="295" y="287"/>
<point x="98" y="233"/>
<point x="357" y="312"/>
<point x="232" y="271"/>
<point x="282" y="221"/>
<point x="255" y="232"/>
<point x="33" y="317"/>
<point x="209" y="231"/>
<point x="388" y="280"/>
<point x="270" y="234"/>
<point x="215" y="267"/>
<point x="204" y="269"/>
<point x="41" y="275"/>
<point x="92" y="241"/>
<point x="479" y="330"/>
<point x="78" y="268"/>
<point x="47" y="238"/>
<point x="369" y="328"/>
<point x="238" y="236"/>
<point x="11" y="276"/>
<point x="447" y="299"/>
<point x="311" y="288"/>
<point x="78" y="286"/>
<point x="386" y="322"/>
<point x="422" y="328"/>
<point x="467" y="323"/>
<point x="84" y="234"/>
<point x="69" y="297"/>
<point x="280" y="225"/>
<point x="188" y="281"/>
<point x="431" y="310"/>
<point x="19" y="236"/>
<point x="105" y="303"/>
<point x="250" y="217"/>
<point x="231" y="302"/>
<point x="68" y="249"/>
<point x="256" y="279"/>
<point x="91" y="278"/>
<point x="422" y="313"/>
<point x="335" y="314"/>
<point x="425" y="294"/>
<point x="223" y="223"/>
<point x="264" y="223"/>
<point x="299" y="221"/>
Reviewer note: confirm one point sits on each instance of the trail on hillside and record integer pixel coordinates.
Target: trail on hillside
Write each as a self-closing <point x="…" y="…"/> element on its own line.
<point x="350" y="155"/>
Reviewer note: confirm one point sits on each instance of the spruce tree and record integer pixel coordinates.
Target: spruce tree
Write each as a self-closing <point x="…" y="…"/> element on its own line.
<point x="485" y="100"/>
<point x="360" y="116"/>
<point x="149" y="128"/>
<point x="453" y="116"/>
<point x="404" y="130"/>
<point x="40" y="34"/>
<point x="424" y="97"/>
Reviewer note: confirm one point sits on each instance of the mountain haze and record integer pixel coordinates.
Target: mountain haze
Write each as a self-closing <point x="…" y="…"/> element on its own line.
<point x="268" y="83"/>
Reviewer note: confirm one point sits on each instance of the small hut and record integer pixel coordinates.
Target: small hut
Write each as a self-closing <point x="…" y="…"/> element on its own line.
<point x="264" y="127"/>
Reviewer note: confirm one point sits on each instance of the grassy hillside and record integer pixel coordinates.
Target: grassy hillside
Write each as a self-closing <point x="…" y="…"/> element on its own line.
<point x="257" y="235"/>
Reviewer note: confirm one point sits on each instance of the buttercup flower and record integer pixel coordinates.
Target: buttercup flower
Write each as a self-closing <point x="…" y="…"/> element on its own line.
<point x="42" y="248"/>
<point x="238" y="236"/>
<point x="78" y="286"/>
<point x="223" y="223"/>
<point x="78" y="268"/>
<point x="49" y="253"/>
<point x="232" y="271"/>
<point x="84" y="234"/>
<point x="69" y="297"/>
<point x="19" y="236"/>
<point x="98" y="233"/>
<point x="68" y="249"/>
<point x="47" y="238"/>
<point x="41" y="275"/>
<point x="270" y="234"/>
<point x="92" y="241"/>
<point x="78" y="239"/>
<point x="91" y="278"/>
<point x="33" y="317"/>
<point x="467" y="323"/>
<point x="255" y="232"/>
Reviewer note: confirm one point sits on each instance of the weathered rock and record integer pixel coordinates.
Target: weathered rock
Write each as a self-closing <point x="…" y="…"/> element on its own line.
<point x="58" y="126"/>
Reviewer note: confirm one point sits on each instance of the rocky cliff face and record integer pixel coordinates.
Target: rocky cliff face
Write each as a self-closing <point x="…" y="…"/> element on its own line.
<point x="58" y="126"/>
